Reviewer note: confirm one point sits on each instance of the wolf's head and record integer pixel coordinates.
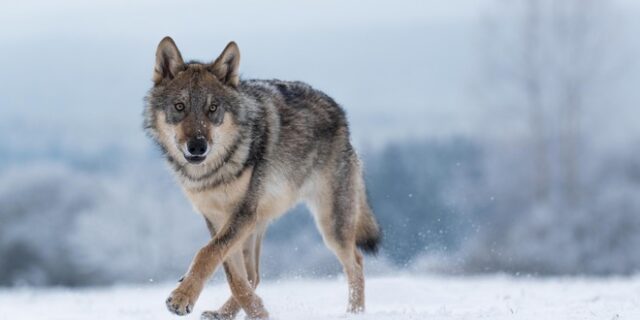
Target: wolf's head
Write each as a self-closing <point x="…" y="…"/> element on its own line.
<point x="194" y="109"/>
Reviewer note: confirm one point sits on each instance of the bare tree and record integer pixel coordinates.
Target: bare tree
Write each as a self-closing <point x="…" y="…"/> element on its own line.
<point x="549" y="55"/>
<point x="532" y="86"/>
<point x="562" y="205"/>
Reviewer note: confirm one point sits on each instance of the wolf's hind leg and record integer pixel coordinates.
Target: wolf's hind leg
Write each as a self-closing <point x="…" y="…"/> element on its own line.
<point x="242" y="289"/>
<point x="228" y="311"/>
<point x="335" y="207"/>
<point x="251" y="254"/>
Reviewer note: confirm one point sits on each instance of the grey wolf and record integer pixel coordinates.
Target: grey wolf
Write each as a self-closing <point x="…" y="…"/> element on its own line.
<point x="246" y="151"/>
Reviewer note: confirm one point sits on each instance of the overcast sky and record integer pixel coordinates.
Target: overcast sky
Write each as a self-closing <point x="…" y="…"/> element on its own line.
<point x="79" y="69"/>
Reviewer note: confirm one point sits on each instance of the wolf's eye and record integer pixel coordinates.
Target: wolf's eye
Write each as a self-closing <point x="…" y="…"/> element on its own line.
<point x="179" y="106"/>
<point x="213" y="107"/>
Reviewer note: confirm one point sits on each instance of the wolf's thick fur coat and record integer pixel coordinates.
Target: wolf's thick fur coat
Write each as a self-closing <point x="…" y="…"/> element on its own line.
<point x="269" y="145"/>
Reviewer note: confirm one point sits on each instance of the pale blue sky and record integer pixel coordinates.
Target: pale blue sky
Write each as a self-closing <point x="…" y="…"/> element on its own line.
<point x="76" y="71"/>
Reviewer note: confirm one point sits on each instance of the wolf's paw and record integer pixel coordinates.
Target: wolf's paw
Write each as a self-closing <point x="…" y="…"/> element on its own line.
<point x="180" y="303"/>
<point x="215" y="315"/>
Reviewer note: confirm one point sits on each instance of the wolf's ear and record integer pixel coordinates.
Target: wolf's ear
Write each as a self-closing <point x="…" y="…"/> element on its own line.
<point x="226" y="66"/>
<point x="168" y="60"/>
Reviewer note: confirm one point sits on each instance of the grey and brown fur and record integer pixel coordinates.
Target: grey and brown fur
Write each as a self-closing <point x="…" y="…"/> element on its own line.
<point x="246" y="151"/>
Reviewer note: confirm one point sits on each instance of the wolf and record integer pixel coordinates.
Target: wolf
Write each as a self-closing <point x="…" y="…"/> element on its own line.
<point x="244" y="153"/>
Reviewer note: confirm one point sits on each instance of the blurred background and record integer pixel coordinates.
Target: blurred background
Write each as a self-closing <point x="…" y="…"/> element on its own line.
<point x="497" y="136"/>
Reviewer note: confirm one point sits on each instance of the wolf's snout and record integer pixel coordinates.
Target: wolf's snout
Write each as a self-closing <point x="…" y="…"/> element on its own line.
<point x="196" y="150"/>
<point x="197" y="146"/>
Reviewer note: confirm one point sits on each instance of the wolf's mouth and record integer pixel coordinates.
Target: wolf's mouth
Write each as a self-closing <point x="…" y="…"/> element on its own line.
<point x="194" y="159"/>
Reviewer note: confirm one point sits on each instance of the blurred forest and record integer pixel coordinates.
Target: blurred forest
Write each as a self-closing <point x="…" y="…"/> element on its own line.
<point x="547" y="182"/>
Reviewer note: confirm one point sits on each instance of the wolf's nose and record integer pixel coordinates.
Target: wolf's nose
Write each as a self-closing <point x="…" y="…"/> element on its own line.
<point x="197" y="146"/>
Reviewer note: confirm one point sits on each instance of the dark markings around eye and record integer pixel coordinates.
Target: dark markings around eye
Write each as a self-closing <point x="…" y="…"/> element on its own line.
<point x="217" y="116"/>
<point x="176" y="112"/>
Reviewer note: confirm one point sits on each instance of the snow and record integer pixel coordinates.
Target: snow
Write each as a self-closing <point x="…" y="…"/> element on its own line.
<point x="398" y="297"/>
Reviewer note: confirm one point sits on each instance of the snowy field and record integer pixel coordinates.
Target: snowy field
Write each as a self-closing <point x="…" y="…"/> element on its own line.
<point x="402" y="297"/>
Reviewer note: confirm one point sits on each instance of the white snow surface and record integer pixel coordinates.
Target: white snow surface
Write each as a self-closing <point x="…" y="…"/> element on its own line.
<point x="397" y="297"/>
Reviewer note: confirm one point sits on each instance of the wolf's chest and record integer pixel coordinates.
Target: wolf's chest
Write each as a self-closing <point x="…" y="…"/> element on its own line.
<point x="216" y="204"/>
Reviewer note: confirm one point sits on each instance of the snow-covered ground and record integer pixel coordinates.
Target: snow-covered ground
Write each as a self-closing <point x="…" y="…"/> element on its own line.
<point x="401" y="297"/>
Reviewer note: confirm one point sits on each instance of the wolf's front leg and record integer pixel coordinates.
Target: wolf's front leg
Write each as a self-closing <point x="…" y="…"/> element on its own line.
<point x="230" y="237"/>
<point x="182" y="299"/>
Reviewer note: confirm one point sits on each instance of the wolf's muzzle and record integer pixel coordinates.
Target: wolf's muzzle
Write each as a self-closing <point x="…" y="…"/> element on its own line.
<point x="197" y="149"/>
